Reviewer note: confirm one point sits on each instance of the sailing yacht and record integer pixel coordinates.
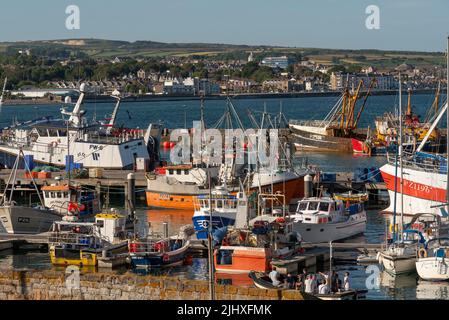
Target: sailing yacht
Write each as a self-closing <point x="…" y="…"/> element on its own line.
<point x="400" y="256"/>
<point x="49" y="140"/>
<point x="433" y="264"/>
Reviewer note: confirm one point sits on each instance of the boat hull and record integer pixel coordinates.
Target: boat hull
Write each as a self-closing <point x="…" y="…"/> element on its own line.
<point x="292" y="189"/>
<point x="242" y="259"/>
<point x="156" y="259"/>
<point x="396" y="265"/>
<point x="316" y="233"/>
<point x="422" y="190"/>
<point x="201" y="223"/>
<point x="311" y="141"/>
<point x="433" y="269"/>
<point x="26" y="220"/>
<point x="83" y="257"/>
<point x="90" y="155"/>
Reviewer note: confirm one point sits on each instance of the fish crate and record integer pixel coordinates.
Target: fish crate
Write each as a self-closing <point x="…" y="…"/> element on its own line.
<point x="96" y="173"/>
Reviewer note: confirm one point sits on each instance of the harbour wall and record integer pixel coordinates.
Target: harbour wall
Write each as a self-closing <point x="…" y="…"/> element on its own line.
<point x="52" y="285"/>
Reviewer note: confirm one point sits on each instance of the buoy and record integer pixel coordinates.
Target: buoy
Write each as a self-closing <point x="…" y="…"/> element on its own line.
<point x="166" y="145"/>
<point x="172" y="145"/>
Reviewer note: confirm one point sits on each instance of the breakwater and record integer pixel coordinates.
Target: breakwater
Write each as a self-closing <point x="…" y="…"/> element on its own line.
<point x="54" y="285"/>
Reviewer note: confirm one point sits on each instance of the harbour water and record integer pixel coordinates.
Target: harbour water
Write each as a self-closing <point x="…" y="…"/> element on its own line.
<point x="381" y="286"/>
<point x="140" y="114"/>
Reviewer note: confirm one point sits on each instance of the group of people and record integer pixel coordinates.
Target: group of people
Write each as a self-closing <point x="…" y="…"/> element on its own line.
<point x="312" y="283"/>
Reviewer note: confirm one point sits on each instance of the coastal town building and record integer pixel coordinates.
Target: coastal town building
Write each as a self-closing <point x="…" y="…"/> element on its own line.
<point x="339" y="81"/>
<point x="281" y="62"/>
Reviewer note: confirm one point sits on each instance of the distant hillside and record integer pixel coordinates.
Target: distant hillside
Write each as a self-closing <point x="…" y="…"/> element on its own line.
<point x="107" y="49"/>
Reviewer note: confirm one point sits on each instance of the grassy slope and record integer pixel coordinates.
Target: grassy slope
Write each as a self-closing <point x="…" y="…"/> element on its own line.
<point x="99" y="48"/>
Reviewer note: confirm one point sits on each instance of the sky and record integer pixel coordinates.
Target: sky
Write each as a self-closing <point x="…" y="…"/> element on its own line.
<point x="421" y="25"/>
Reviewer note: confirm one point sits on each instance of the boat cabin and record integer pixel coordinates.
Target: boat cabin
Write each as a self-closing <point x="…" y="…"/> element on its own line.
<point x="438" y="248"/>
<point x="187" y="174"/>
<point x="65" y="199"/>
<point x="319" y="210"/>
<point x="107" y="228"/>
<point x="223" y="202"/>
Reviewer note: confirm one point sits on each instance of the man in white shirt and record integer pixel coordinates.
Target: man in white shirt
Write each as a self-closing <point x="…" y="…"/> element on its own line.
<point x="323" y="288"/>
<point x="274" y="277"/>
<point x="308" y="284"/>
<point x="346" y="284"/>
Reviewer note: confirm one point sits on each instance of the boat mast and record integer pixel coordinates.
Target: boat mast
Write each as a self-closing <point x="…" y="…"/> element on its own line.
<point x="400" y="156"/>
<point x="210" y="242"/>
<point x="447" y="123"/>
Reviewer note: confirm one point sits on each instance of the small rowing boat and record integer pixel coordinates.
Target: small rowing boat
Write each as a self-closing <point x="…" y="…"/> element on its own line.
<point x="262" y="281"/>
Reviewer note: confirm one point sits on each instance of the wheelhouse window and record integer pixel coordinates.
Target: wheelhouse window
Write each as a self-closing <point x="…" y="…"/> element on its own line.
<point x="313" y="205"/>
<point x="324" y="206"/>
<point x="302" y="206"/>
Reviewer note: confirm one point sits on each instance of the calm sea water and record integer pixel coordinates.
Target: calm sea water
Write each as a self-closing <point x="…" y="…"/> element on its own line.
<point x="175" y="113"/>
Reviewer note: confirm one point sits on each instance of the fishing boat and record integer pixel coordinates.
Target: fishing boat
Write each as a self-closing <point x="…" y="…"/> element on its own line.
<point x="262" y="281"/>
<point x="176" y="187"/>
<point x="253" y="248"/>
<point x="49" y="141"/>
<point x="21" y="219"/>
<point x="3" y="92"/>
<point x="219" y="208"/>
<point x="326" y="219"/>
<point x="432" y="263"/>
<point x="83" y="243"/>
<point x="424" y="177"/>
<point x="335" y="132"/>
<point x="384" y="139"/>
<point x="160" y="252"/>
<point x="64" y="198"/>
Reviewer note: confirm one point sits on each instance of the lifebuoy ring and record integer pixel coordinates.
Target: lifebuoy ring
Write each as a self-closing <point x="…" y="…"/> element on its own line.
<point x="165" y="258"/>
<point x="422" y="253"/>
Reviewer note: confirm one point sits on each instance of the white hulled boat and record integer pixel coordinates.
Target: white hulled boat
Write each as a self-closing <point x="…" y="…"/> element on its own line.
<point x="400" y="257"/>
<point x="433" y="264"/>
<point x="326" y="219"/>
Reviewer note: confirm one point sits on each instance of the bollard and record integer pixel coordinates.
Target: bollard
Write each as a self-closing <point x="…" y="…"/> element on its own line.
<point x="131" y="194"/>
<point x="165" y="229"/>
<point x="308" y="186"/>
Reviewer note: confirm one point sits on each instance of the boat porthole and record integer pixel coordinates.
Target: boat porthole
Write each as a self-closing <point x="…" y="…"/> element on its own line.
<point x="321" y="230"/>
<point x="308" y="229"/>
